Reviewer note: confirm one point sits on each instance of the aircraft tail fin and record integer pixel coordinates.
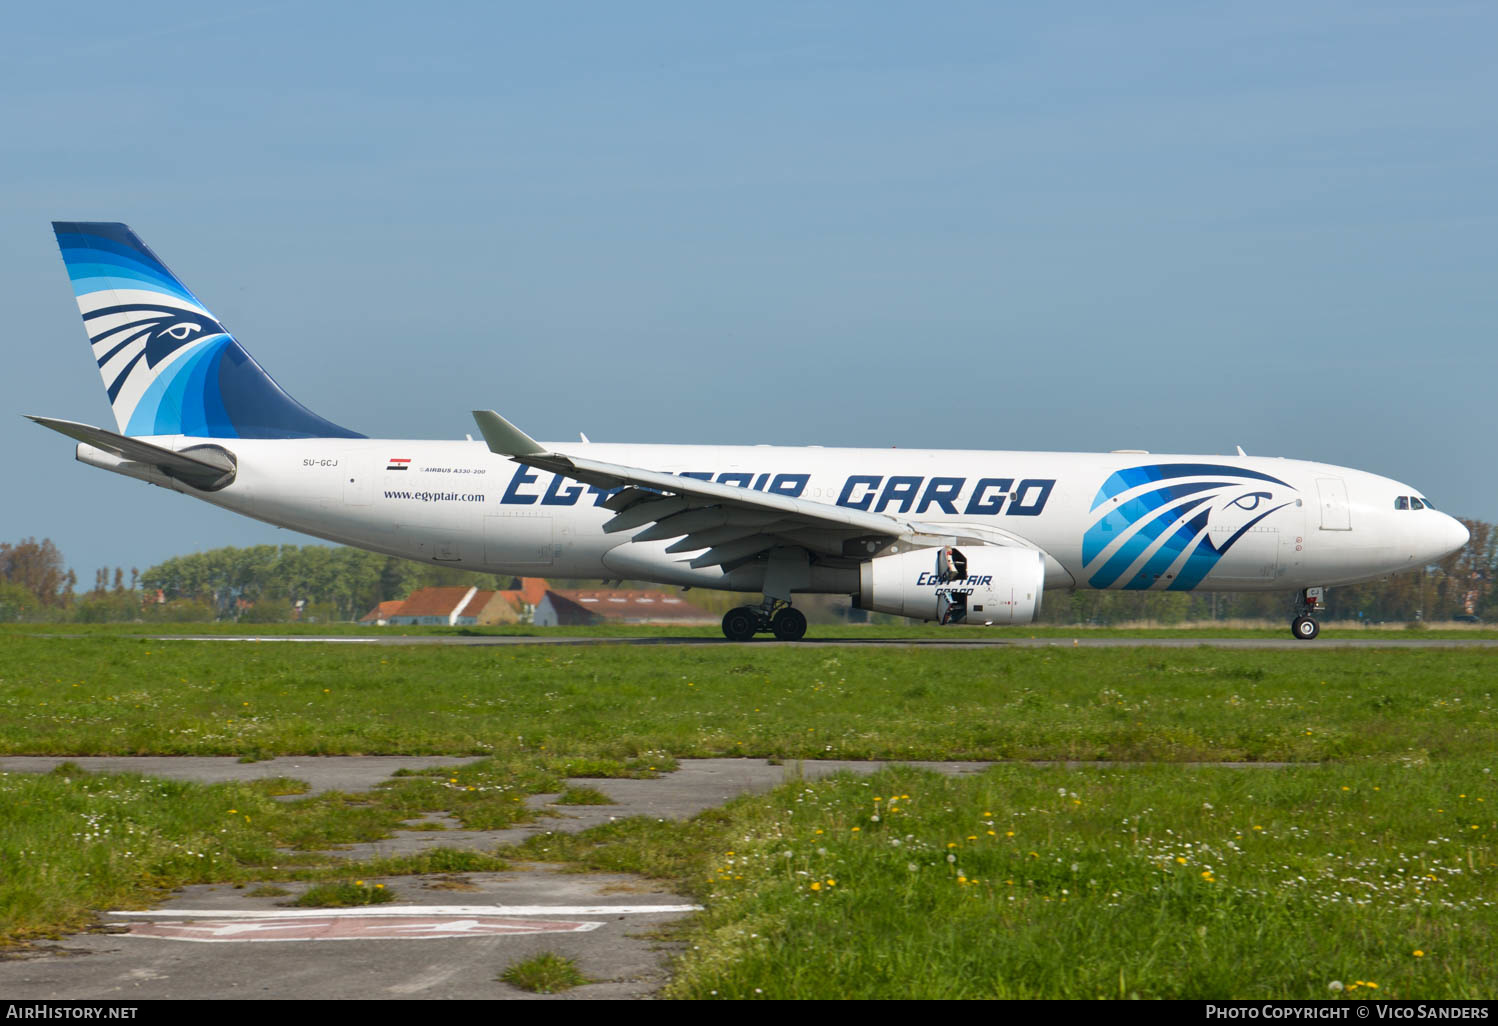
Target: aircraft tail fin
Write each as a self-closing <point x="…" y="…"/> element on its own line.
<point x="169" y="367"/>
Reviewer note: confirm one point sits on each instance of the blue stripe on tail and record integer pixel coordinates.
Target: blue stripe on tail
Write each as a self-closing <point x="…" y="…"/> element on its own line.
<point x="169" y="367"/>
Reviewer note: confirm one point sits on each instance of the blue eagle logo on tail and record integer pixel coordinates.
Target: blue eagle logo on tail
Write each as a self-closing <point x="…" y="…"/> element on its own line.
<point x="1151" y="523"/>
<point x="125" y="335"/>
<point x="169" y="367"/>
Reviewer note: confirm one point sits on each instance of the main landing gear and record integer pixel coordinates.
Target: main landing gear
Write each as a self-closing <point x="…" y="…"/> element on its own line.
<point x="773" y="617"/>
<point x="787" y="569"/>
<point x="1304" y="627"/>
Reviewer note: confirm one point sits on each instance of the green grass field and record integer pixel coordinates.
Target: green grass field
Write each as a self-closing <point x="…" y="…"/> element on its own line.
<point x="1153" y="881"/>
<point x="1154" y="877"/>
<point x="107" y="695"/>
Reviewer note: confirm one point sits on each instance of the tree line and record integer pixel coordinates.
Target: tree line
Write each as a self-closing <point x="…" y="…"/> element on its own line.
<point x="273" y="583"/>
<point x="257" y="584"/>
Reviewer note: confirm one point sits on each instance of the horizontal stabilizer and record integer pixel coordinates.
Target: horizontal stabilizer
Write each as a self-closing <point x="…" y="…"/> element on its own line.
<point x="207" y="467"/>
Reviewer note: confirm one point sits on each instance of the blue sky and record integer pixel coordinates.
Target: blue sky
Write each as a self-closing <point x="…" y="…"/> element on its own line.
<point x="1069" y="227"/>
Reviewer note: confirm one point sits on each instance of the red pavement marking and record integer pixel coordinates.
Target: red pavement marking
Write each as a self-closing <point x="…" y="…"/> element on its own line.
<point x="350" y="928"/>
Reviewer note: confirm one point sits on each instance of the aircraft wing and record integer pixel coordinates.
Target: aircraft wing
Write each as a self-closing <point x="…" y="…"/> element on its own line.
<point x="733" y="524"/>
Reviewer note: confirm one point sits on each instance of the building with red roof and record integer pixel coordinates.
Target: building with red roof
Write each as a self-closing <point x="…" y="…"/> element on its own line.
<point x="459" y="606"/>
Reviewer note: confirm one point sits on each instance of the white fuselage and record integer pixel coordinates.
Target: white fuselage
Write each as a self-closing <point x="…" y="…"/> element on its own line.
<point x="1280" y="524"/>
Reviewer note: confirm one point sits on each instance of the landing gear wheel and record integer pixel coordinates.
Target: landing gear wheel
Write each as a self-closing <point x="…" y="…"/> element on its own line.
<point x="739" y="624"/>
<point x="1305" y="629"/>
<point x="789" y="624"/>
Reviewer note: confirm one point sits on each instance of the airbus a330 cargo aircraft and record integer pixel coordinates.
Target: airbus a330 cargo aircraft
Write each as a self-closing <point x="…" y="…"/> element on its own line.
<point x="959" y="537"/>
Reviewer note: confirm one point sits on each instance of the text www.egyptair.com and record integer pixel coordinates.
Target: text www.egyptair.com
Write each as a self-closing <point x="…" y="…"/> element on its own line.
<point x="437" y="496"/>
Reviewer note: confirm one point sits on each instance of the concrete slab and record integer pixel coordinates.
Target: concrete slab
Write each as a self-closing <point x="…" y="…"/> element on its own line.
<point x="321" y="772"/>
<point x="619" y="951"/>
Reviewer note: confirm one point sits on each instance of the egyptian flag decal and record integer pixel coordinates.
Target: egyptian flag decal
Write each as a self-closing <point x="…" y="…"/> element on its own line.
<point x="399" y="465"/>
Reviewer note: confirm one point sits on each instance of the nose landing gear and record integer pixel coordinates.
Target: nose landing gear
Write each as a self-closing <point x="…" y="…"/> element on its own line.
<point x="1304" y="627"/>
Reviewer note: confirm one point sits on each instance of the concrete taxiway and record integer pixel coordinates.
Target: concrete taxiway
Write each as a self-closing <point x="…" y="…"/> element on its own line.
<point x="448" y="936"/>
<point x="1080" y="641"/>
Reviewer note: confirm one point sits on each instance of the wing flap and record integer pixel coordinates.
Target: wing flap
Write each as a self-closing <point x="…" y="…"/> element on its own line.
<point x="731" y="552"/>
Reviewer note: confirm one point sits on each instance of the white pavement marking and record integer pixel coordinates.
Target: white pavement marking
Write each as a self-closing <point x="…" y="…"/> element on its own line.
<point x="413" y="910"/>
<point x="343" y="928"/>
<point x="320" y="641"/>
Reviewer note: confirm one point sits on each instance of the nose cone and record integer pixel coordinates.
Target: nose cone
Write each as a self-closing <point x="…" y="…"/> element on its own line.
<point x="1442" y="535"/>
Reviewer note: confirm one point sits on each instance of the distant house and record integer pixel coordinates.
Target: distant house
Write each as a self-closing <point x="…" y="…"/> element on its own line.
<point x="380" y="615"/>
<point x="450" y="607"/>
<point x="588" y="607"/>
<point x="460" y="606"/>
<point x="516" y="604"/>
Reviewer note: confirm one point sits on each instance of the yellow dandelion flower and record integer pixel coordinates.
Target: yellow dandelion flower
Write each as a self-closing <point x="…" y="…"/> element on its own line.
<point x="857" y="829"/>
<point x="831" y="883"/>
<point x="1181" y="859"/>
<point x="1418" y="953"/>
<point x="816" y="886"/>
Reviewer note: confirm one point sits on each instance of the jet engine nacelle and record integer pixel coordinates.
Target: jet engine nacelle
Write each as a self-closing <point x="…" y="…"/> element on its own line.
<point x="978" y="584"/>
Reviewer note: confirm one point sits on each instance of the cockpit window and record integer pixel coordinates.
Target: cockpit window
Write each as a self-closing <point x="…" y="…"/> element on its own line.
<point x="1403" y="502"/>
<point x="1428" y="504"/>
<point x="1415" y="503"/>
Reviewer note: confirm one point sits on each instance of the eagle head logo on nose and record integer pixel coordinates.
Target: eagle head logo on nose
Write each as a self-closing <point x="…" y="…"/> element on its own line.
<point x="1163" y="511"/>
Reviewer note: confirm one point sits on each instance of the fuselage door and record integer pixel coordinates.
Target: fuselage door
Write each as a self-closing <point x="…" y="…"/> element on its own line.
<point x="520" y="538"/>
<point x="1335" y="514"/>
